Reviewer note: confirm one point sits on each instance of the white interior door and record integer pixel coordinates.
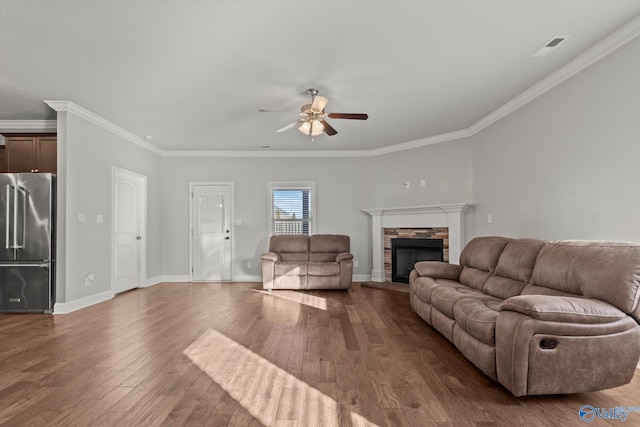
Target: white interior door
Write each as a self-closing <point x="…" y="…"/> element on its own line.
<point x="211" y="232"/>
<point x="129" y="206"/>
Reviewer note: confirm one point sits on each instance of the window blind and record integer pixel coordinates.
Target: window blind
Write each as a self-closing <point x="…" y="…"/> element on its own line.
<point x="291" y="211"/>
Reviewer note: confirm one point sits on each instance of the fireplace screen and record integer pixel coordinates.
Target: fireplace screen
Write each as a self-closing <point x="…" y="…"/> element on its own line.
<point x="406" y="252"/>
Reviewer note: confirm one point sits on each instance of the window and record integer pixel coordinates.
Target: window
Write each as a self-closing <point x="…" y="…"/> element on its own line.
<point x="292" y="208"/>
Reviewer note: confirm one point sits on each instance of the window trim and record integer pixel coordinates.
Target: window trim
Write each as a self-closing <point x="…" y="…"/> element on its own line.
<point x="293" y="185"/>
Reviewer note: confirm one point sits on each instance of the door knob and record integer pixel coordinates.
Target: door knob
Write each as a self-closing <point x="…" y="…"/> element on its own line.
<point x="138" y="237"/>
<point x="226" y="238"/>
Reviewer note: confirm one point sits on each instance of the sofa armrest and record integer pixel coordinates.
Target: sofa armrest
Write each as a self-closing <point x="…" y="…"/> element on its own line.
<point x="269" y="260"/>
<point x="563" y="309"/>
<point x="343" y="256"/>
<point x="547" y="345"/>
<point x="438" y="270"/>
<point x="270" y="256"/>
<point x="346" y="269"/>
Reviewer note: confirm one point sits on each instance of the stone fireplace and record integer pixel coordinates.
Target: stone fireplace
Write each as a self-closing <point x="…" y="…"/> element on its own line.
<point x="419" y="244"/>
<point x="418" y="219"/>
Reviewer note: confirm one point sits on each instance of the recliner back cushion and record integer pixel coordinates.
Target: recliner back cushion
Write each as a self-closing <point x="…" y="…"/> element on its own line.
<point x="291" y="248"/>
<point x="479" y="258"/>
<point x="608" y="271"/>
<point x="325" y="247"/>
<point x="514" y="268"/>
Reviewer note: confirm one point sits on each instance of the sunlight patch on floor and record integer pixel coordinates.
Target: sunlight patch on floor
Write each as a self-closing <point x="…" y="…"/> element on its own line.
<point x="299" y="297"/>
<point x="269" y="393"/>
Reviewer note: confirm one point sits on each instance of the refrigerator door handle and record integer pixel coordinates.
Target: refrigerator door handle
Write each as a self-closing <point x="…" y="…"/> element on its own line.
<point x="13" y="231"/>
<point x="9" y="217"/>
<point x="40" y="265"/>
<point x="20" y="213"/>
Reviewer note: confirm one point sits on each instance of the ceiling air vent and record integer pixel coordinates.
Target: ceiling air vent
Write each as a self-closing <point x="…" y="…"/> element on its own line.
<point x="549" y="46"/>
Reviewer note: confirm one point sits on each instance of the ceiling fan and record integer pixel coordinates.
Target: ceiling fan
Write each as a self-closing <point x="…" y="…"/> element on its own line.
<point x="312" y="117"/>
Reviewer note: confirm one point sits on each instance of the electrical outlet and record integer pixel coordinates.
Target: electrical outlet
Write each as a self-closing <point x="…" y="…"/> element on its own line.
<point x="88" y="279"/>
<point x="407" y="184"/>
<point x="423" y="183"/>
<point x="489" y="219"/>
<point x="355" y="264"/>
<point x="249" y="264"/>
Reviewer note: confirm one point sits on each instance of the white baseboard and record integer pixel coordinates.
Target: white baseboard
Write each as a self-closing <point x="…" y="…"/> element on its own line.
<point x="152" y="281"/>
<point x="258" y="278"/>
<point x="376" y="276"/>
<point x="236" y="278"/>
<point x="247" y="278"/>
<point x="71" y="306"/>
<point x="175" y="278"/>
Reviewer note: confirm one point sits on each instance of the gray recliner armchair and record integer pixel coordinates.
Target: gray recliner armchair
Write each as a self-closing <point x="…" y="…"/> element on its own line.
<point x="321" y="261"/>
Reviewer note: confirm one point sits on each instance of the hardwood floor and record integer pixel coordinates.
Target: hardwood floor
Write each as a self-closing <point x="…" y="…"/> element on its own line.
<point x="233" y="355"/>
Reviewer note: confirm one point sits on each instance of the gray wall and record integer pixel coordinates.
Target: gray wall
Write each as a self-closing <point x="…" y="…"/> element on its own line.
<point x="339" y="196"/>
<point x="88" y="154"/>
<point x="446" y="169"/>
<point x="567" y="165"/>
<point x="344" y="186"/>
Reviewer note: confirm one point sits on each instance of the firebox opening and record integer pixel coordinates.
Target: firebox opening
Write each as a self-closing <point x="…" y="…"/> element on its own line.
<point x="406" y="252"/>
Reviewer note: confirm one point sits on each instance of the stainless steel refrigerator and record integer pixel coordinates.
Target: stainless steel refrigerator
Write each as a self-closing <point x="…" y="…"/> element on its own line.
<point x="27" y="242"/>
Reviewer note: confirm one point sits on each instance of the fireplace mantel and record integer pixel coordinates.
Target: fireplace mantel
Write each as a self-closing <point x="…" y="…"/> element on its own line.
<point x="444" y="215"/>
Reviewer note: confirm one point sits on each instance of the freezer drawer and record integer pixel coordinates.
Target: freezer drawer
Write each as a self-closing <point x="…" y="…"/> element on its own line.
<point x="26" y="288"/>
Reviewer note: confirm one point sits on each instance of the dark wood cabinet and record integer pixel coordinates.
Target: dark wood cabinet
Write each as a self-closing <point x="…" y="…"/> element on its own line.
<point x="47" y="154"/>
<point x="31" y="153"/>
<point x="3" y="159"/>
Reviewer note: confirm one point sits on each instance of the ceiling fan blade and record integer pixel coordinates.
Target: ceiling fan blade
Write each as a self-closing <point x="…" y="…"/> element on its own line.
<point x="328" y="129"/>
<point x="289" y="126"/>
<point x="353" y="116"/>
<point x="319" y="102"/>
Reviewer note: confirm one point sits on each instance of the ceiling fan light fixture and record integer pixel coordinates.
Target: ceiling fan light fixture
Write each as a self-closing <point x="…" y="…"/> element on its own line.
<point x="315" y="126"/>
<point x="311" y="118"/>
<point x="319" y="102"/>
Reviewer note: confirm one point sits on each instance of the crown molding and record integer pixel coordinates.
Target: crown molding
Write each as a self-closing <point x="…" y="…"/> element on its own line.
<point x="70" y="107"/>
<point x="28" y="125"/>
<point x="615" y="40"/>
<point x="437" y="139"/>
<point x="609" y="44"/>
<point x="267" y="153"/>
<point x="328" y="153"/>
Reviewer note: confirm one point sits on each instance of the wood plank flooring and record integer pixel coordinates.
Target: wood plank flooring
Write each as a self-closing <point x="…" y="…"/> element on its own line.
<point x="230" y="354"/>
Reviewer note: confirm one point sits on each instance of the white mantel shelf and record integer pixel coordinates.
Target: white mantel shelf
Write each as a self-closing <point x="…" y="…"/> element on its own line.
<point x="419" y="209"/>
<point x="444" y="215"/>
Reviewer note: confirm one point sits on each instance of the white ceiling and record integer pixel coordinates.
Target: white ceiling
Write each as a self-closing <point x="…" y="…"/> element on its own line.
<point x="193" y="74"/>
